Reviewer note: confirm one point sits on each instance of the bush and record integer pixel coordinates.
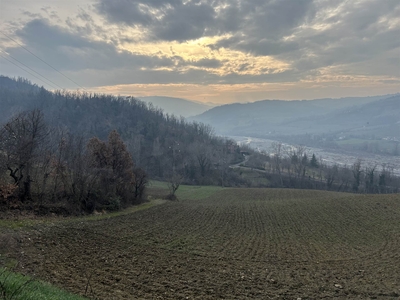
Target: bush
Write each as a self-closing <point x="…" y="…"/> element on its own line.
<point x="114" y="203"/>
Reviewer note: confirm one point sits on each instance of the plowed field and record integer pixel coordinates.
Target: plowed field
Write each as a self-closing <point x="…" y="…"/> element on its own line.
<point x="234" y="244"/>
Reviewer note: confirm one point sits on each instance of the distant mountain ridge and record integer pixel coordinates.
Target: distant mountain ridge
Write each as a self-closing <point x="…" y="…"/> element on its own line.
<point x="177" y="106"/>
<point x="381" y="117"/>
<point x="279" y="117"/>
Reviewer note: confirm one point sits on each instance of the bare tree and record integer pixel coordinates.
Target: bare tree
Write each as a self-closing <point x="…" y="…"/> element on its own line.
<point x="141" y="180"/>
<point x="276" y="161"/>
<point x="298" y="158"/>
<point x="203" y="157"/>
<point x="331" y="174"/>
<point x="344" y="177"/>
<point x="370" y="179"/>
<point x="77" y="177"/>
<point x="356" y="169"/>
<point x="20" y="139"/>
<point x="173" y="185"/>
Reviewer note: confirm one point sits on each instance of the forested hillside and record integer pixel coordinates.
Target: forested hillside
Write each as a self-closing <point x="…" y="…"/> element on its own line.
<point x="158" y="142"/>
<point x="49" y="139"/>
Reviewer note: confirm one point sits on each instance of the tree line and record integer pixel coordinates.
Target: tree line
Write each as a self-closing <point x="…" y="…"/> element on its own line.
<point x="291" y="167"/>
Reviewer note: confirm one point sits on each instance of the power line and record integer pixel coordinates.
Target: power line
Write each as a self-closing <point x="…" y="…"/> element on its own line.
<point x="43" y="61"/>
<point x="24" y="69"/>
<point x="32" y="69"/>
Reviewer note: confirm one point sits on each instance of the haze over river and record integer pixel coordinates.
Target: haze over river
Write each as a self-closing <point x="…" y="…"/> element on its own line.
<point x="329" y="157"/>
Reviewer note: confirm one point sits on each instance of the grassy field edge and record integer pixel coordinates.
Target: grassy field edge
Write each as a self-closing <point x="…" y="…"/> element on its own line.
<point x="19" y="287"/>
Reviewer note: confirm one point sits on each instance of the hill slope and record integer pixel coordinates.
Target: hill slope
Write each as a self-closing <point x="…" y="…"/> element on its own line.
<point x="381" y="117"/>
<point x="297" y="117"/>
<point x="177" y="106"/>
<point x="159" y="143"/>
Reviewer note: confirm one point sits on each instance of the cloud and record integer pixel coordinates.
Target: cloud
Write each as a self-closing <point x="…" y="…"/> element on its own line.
<point x="126" y="12"/>
<point x="168" y="20"/>
<point x="70" y="51"/>
<point x="306" y="34"/>
<point x="207" y="63"/>
<point x="354" y="32"/>
<point x="312" y="35"/>
<point x="178" y="20"/>
<point x="185" y="22"/>
<point x="217" y="41"/>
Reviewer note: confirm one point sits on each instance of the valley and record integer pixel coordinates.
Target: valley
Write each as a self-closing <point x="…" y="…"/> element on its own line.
<point x="328" y="156"/>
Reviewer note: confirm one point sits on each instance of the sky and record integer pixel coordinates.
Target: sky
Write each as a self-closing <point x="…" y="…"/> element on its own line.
<point x="216" y="51"/>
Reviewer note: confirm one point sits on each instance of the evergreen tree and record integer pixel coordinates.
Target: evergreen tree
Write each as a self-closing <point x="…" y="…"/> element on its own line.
<point x="314" y="162"/>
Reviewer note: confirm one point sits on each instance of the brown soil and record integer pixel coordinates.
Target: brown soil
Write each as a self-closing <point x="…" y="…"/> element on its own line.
<point x="237" y="244"/>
